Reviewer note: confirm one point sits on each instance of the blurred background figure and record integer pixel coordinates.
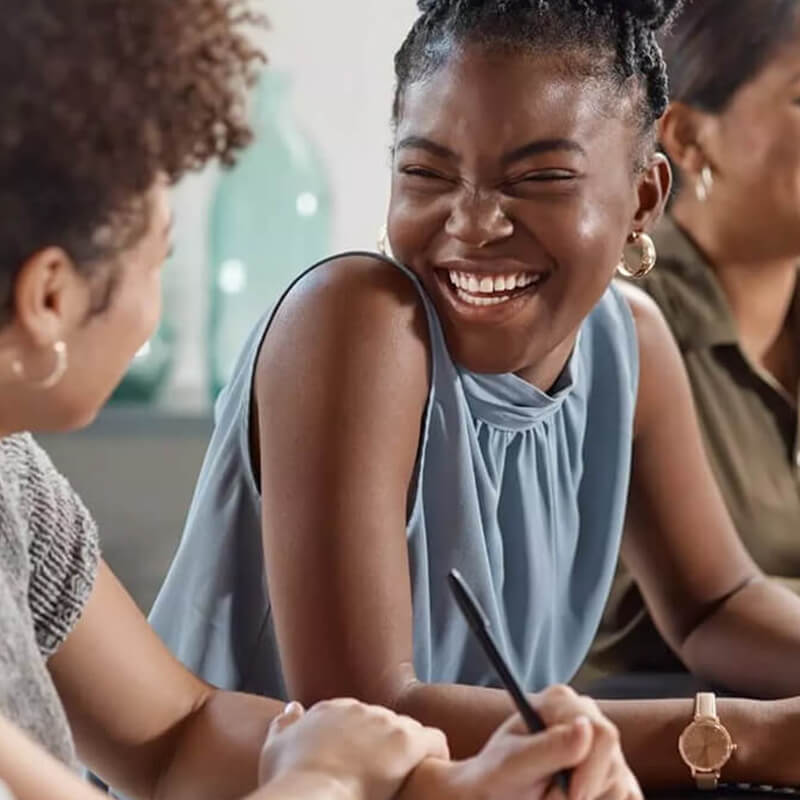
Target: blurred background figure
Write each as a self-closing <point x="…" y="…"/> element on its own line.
<point x="726" y="281"/>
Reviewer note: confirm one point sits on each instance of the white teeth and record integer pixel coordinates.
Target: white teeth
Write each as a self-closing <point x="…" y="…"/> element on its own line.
<point x="477" y="290"/>
<point x="482" y="301"/>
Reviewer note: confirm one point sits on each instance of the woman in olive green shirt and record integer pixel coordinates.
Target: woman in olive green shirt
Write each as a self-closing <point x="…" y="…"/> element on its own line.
<point x="726" y="282"/>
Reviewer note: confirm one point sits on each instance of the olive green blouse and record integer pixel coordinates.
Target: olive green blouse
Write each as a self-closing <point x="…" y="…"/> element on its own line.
<point x="750" y="428"/>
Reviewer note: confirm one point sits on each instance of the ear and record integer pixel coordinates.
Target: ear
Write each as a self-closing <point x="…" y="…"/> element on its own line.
<point x="681" y="132"/>
<point x="49" y="297"/>
<point x="653" y="190"/>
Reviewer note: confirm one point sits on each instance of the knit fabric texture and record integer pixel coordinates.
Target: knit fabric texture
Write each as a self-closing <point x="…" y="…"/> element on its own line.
<point x="49" y="554"/>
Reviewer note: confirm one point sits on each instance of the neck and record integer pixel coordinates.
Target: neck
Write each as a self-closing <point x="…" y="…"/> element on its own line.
<point x="544" y="374"/>
<point x="759" y="289"/>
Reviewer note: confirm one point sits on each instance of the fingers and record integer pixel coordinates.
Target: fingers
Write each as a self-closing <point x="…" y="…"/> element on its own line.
<point x="419" y="741"/>
<point x="513" y="725"/>
<point x="623" y="785"/>
<point x="591" y="779"/>
<point x="604" y="773"/>
<point x="558" y="748"/>
<point x="291" y="714"/>
<point x="413" y="741"/>
<point x="293" y="710"/>
<point x="520" y="760"/>
<point x="435" y="744"/>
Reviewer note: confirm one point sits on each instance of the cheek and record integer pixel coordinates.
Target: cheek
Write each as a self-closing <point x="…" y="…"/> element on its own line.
<point x="414" y="221"/>
<point x="139" y="313"/>
<point x="583" y="237"/>
<point x="762" y="155"/>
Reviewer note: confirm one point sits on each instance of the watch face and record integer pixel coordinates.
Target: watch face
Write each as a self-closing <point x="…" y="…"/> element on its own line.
<point x="705" y="746"/>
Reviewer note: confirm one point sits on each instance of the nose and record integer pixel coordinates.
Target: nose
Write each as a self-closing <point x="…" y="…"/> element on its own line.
<point x="478" y="219"/>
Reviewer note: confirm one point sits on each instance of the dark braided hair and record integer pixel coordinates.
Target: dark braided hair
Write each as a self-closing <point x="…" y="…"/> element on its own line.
<point x="612" y="38"/>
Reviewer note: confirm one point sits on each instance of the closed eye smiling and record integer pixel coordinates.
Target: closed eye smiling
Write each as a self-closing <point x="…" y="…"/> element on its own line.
<point x="544" y="176"/>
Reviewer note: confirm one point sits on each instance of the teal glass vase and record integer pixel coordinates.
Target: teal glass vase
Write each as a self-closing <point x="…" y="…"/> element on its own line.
<point x="270" y="218"/>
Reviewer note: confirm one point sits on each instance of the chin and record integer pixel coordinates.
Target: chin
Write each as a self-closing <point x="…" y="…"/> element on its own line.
<point x="77" y="418"/>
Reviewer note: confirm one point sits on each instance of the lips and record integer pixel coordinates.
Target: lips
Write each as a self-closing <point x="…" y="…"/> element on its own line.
<point x="482" y="289"/>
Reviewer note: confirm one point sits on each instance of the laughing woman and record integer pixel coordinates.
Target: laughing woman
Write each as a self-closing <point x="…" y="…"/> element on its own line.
<point x="487" y="401"/>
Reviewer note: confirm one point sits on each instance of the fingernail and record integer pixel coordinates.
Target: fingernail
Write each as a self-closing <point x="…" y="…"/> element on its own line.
<point x="293" y="708"/>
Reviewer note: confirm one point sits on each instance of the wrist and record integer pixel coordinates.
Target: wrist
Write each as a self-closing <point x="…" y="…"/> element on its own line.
<point x="433" y="779"/>
<point x="302" y="785"/>
<point x="764" y="732"/>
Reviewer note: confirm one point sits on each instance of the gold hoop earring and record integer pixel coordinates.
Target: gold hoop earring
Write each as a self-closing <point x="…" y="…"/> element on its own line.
<point x="704" y="184"/>
<point x="647" y="256"/>
<point x="56" y="374"/>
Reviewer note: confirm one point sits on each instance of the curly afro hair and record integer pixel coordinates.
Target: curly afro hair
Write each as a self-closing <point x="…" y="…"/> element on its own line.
<point x="100" y="97"/>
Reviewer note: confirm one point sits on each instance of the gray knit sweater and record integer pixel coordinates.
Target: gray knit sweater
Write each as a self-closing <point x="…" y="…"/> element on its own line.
<point x="48" y="561"/>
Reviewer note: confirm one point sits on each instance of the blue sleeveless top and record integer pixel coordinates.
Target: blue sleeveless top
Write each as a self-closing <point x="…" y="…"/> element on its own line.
<point x="524" y="492"/>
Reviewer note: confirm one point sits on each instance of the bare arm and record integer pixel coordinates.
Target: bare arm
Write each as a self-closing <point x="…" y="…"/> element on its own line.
<point x="707" y="597"/>
<point x="31" y="774"/>
<point x="141" y="720"/>
<point x="341" y="387"/>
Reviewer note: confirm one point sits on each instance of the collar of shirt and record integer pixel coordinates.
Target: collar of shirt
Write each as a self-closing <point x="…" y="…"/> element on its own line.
<point x="700" y="316"/>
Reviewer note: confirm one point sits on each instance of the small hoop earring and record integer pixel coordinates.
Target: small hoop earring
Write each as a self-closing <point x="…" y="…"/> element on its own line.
<point x="56" y="374"/>
<point x="647" y="256"/>
<point x="704" y="184"/>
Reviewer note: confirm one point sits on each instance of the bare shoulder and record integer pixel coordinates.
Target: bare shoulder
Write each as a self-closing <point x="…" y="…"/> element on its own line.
<point x="355" y="312"/>
<point x="662" y="374"/>
<point x="358" y="281"/>
<point x="653" y="333"/>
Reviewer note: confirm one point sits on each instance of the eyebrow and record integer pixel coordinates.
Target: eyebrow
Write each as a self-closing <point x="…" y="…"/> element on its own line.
<point x="534" y="148"/>
<point x="542" y="146"/>
<point x="421" y="143"/>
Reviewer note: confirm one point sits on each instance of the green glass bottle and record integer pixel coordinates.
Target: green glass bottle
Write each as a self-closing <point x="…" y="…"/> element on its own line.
<point x="270" y="218"/>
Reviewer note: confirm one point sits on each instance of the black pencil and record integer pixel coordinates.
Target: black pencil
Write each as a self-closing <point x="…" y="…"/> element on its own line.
<point x="479" y="624"/>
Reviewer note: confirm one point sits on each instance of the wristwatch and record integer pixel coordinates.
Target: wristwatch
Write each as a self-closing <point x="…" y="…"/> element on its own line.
<point x="705" y="745"/>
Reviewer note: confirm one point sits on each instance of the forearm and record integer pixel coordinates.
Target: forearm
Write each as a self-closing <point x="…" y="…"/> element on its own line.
<point x="762" y="731"/>
<point x="298" y="786"/>
<point x="751" y="645"/>
<point x="649" y="729"/>
<point x="468" y="715"/>
<point x="217" y="750"/>
<point x="31" y="773"/>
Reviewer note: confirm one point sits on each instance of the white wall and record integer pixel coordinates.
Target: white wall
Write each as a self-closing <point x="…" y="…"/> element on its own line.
<point x="339" y="54"/>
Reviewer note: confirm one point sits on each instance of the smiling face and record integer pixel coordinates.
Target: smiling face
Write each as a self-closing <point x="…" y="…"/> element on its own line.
<point x="514" y="189"/>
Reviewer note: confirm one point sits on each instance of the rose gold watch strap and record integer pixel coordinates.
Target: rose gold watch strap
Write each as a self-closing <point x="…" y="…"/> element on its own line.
<point x="705" y="706"/>
<point x="706" y="781"/>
